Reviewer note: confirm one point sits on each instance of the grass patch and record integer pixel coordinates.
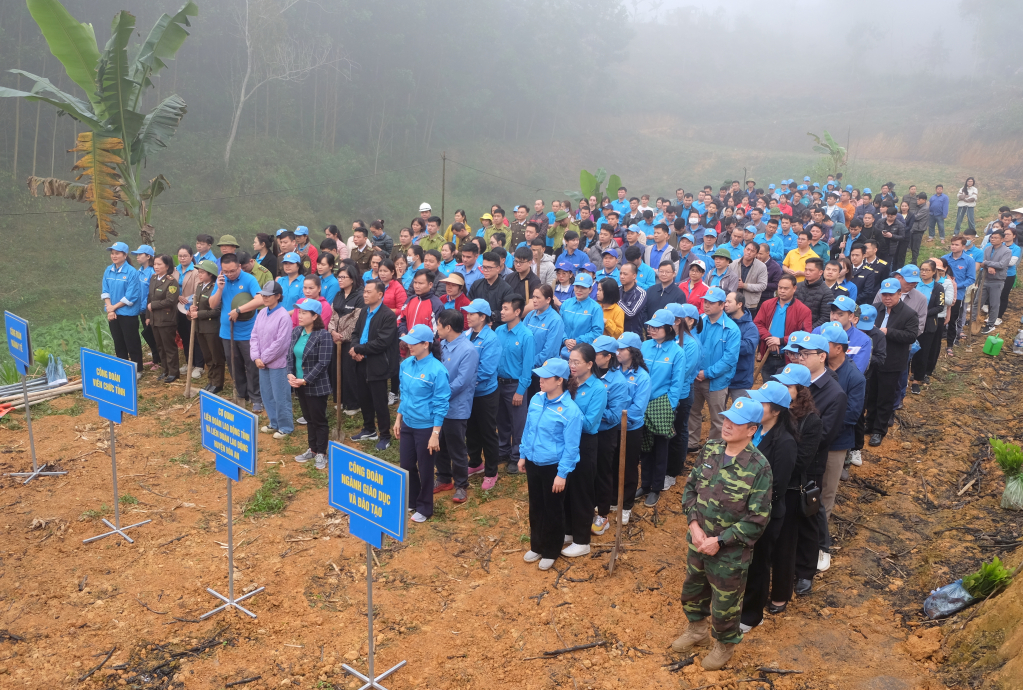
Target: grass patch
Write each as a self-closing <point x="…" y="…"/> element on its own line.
<point x="129" y="500"/>
<point x="319" y="478"/>
<point x="272" y="497"/>
<point x="45" y="409"/>
<point x="95" y="514"/>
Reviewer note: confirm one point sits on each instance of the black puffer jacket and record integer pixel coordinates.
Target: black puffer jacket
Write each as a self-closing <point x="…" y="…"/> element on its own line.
<point x="818" y="298"/>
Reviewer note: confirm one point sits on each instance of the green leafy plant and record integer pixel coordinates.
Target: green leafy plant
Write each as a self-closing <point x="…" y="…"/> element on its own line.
<point x="992" y="578"/>
<point x="1009" y="457"/>
<point x="590" y="185"/>
<point x="272" y="497"/>
<point x="830" y="148"/>
<point x="120" y="137"/>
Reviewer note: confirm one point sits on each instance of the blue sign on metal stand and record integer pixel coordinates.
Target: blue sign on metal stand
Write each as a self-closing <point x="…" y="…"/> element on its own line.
<point x="229" y="432"/>
<point x="374" y="494"/>
<point x="112" y="382"/>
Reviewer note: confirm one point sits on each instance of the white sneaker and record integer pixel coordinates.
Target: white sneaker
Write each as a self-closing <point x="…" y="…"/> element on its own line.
<point x="301" y="420"/>
<point x="266" y="430"/>
<point x="546" y="563"/>
<point x="306" y="456"/>
<point x="855" y="458"/>
<point x="599" y="525"/>
<point x="278" y="435"/>
<point x="182" y="370"/>
<point x="984" y="309"/>
<point x="823" y="561"/>
<point x="626" y="514"/>
<point x="531" y="557"/>
<point x="668" y="483"/>
<point x="321" y="461"/>
<point x="998" y="322"/>
<point x="197" y="373"/>
<point x="743" y="628"/>
<point x="418" y="517"/>
<point x="391" y="399"/>
<point x="574" y="550"/>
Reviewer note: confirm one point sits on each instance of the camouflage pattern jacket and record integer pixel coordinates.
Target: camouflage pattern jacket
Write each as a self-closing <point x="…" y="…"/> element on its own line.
<point x="730" y="498"/>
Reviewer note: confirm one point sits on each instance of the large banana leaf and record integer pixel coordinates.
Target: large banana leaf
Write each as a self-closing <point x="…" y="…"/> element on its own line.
<point x="163" y="42"/>
<point x="587" y="183"/>
<point x="117" y="92"/>
<point x="98" y="164"/>
<point x="76" y="108"/>
<point x="158" y="126"/>
<point x="71" y="42"/>
<point x="53" y="186"/>
<point x="613" y="183"/>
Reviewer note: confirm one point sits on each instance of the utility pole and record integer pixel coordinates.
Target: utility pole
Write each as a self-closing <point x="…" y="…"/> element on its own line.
<point x="443" y="182"/>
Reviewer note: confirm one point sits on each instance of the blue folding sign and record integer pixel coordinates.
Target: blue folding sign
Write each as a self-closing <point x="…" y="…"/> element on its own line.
<point x="18" y="342"/>
<point x="229" y="432"/>
<point x="111" y="382"/>
<point x="371" y="491"/>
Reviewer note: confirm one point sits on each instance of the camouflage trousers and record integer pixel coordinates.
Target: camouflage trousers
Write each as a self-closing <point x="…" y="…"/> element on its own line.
<point x="714" y="587"/>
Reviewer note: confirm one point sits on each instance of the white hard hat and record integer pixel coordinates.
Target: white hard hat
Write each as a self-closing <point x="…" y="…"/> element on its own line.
<point x="425" y="207"/>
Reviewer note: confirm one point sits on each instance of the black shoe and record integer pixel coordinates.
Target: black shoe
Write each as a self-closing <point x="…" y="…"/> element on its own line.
<point x="804" y="587"/>
<point x="927" y="379"/>
<point x="641" y="492"/>
<point x="512" y="467"/>
<point x="915" y="389"/>
<point x="771" y="608"/>
<point x="875" y="439"/>
<point x="845" y="475"/>
<point x="651" y="499"/>
<point x="216" y="389"/>
<point x="170" y="379"/>
<point x="989" y="329"/>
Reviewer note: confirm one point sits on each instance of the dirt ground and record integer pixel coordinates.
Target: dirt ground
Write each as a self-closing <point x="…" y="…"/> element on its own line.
<point x="456" y="600"/>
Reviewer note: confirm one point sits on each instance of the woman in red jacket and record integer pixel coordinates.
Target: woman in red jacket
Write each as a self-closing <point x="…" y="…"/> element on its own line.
<point x="394" y="293"/>
<point x="454" y="297"/>
<point x="694" y="289"/>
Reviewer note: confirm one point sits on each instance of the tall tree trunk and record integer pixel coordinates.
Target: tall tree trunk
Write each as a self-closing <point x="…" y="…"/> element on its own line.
<point x="380" y="134"/>
<point x="17" y="105"/>
<point x="241" y="104"/>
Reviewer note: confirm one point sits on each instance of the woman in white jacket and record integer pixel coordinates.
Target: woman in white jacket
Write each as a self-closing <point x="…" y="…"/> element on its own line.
<point x="966" y="205"/>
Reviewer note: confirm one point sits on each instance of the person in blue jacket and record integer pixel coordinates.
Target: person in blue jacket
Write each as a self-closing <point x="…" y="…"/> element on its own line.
<point x="425" y="398"/>
<point x="549" y="452"/>
<point x="514" y="374"/>
<point x="481" y="431"/>
<point x="583" y="317"/>
<point x="591" y="398"/>
<point x="610" y="431"/>
<point x="687" y="318"/>
<point x="964" y="270"/>
<point x="461" y="360"/>
<point x="860" y="345"/>
<point x="145" y="254"/>
<point x="742" y="379"/>
<point x="548" y="330"/>
<point x="292" y="281"/>
<point x="123" y="302"/>
<point x="637" y="378"/>
<point x="667" y="366"/>
<point x="720" y="339"/>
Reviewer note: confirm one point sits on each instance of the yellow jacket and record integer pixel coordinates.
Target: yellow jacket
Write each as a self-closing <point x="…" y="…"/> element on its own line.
<point x="614" y="320"/>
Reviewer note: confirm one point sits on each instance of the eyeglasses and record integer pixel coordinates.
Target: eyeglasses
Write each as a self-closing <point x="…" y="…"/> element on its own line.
<point x="803" y="354"/>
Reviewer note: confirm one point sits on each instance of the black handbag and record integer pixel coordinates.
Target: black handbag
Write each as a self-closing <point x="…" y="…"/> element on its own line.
<point x="810" y="495"/>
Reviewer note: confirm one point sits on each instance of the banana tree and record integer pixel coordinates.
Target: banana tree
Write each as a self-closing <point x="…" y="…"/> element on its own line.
<point x="590" y="185"/>
<point x="830" y="148"/>
<point x="120" y="137"/>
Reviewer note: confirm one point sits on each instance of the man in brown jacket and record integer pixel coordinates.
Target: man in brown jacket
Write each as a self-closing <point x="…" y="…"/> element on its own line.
<point x="752" y="274"/>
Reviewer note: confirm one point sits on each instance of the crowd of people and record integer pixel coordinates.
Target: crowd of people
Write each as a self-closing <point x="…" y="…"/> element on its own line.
<point x="524" y="344"/>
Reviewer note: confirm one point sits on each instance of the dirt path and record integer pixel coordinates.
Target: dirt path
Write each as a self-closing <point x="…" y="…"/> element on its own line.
<point x="456" y="600"/>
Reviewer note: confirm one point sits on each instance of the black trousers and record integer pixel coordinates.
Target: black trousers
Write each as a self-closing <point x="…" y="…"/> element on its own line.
<point x="127" y="342"/>
<point x="244" y="373"/>
<point x="579" y="491"/>
<point x="546" y="511"/>
<point x="351" y="384"/>
<point x="952" y="327"/>
<point x="678" y="445"/>
<point x="783" y="555"/>
<point x="918" y="364"/>
<point x="900" y="254"/>
<point x="375" y="415"/>
<point x="453" y="460"/>
<point x="185" y="333"/>
<point x="808" y="538"/>
<point x="758" y="578"/>
<point x="481" y="433"/>
<point x="604" y="494"/>
<point x="414" y="456"/>
<point x="654" y="466"/>
<point x="1006" y="289"/>
<point x="936" y="343"/>
<point x="914" y="245"/>
<point x="164" y="336"/>
<point x="147" y="335"/>
<point x="882" y="388"/>
<point x="633" y="443"/>
<point x="314" y="409"/>
<point x="534" y="388"/>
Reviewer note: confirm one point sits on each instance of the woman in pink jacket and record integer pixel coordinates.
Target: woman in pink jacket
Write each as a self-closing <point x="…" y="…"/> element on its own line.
<point x="268" y="347"/>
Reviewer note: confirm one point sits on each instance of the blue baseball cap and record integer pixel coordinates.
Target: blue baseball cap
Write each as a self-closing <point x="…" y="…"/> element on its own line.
<point x="844" y="303"/>
<point x="629" y="339"/>
<point x="710" y="232"/>
<point x="772" y="392"/>
<point x="715" y="294"/>
<point x="420" y="333"/>
<point x="566" y="266"/>
<point x="553" y="367"/>
<point x="583" y="280"/>
<point x="588" y="267"/>
<point x="676" y="309"/>
<point x="890" y="286"/>
<point x="794" y="375"/>
<point x="688" y="236"/>
<point x="811" y="341"/>
<point x="910" y="272"/>
<point x="751" y="228"/>
<point x="301" y="230"/>
<point x="661" y="317"/>
<point x="605" y="343"/>
<point x="745" y="411"/>
<point x="610" y="251"/>
<point x="145" y="249"/>
<point x="834" y="333"/>
<point x="868" y="314"/>
<point x="801" y="188"/>
<point x="118" y="247"/>
<point x="688" y="310"/>
<point x="770" y="186"/>
<point x="866" y="190"/>
<point x="477" y="306"/>
<point x="291" y="258"/>
<point x="816" y="185"/>
<point x="280" y="232"/>
<point x="313" y="305"/>
<point x="806" y="178"/>
<point x="848" y="188"/>
<point x="794" y="337"/>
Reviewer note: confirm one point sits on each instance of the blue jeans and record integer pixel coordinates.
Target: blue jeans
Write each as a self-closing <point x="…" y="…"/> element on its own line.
<point x="931" y="222"/>
<point x="964" y="211"/>
<point x="273" y="384"/>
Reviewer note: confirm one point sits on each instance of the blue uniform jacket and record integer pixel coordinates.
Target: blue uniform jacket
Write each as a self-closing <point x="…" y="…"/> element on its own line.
<point x="329" y="288"/>
<point x="145" y="274"/>
<point x="855" y="387"/>
<point x="124" y="286"/>
<point x="964" y="270"/>
<point x="638" y="381"/>
<point x="667" y="365"/>
<point x="548" y="333"/>
<point x="750" y="338"/>
<point x="552" y="431"/>
<point x="461" y="360"/>
<point x="646" y="276"/>
<point x="292" y="290"/>
<point x="584" y="321"/>
<point x="576" y="258"/>
<point x="860" y="347"/>
<point x="591" y="399"/>
<point x="489" y="350"/>
<point x="425" y="392"/>
<point x="776" y="245"/>
<point x="246" y="283"/>
<point x="720" y="354"/>
<point x="692" y="350"/>
<point x="790" y="240"/>
<point x="516" y="355"/>
<point x="617" y="399"/>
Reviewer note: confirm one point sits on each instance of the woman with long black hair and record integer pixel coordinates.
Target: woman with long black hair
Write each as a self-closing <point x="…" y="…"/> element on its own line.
<point x="591" y="398"/>
<point x="263" y="252"/>
<point x="966" y="204"/>
<point x="610" y="431"/>
<point x="346" y="306"/>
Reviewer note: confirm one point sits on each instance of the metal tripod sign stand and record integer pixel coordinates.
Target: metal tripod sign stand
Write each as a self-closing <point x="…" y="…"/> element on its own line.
<point x="374" y="494"/>
<point x="229" y="431"/>
<point x="113" y="383"/>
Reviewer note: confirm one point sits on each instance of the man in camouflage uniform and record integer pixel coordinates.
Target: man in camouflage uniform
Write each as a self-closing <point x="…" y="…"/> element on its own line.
<point x="727" y="501"/>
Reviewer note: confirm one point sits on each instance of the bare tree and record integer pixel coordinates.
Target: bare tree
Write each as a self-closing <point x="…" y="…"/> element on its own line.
<point x="273" y="54"/>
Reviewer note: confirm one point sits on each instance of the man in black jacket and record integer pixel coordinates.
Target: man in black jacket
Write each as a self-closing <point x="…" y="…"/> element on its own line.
<point x="664" y="291"/>
<point x="814" y="292"/>
<point x="492" y="288"/>
<point x="901" y="326"/>
<point x="375" y="351"/>
<point x="890" y="233"/>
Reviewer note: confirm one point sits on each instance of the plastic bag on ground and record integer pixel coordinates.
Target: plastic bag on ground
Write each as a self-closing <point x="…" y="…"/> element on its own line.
<point x="55" y="375"/>
<point x="1012" y="497"/>
<point x="948" y="600"/>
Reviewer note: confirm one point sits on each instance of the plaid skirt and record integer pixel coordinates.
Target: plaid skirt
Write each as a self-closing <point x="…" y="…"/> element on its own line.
<point x="659" y="420"/>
